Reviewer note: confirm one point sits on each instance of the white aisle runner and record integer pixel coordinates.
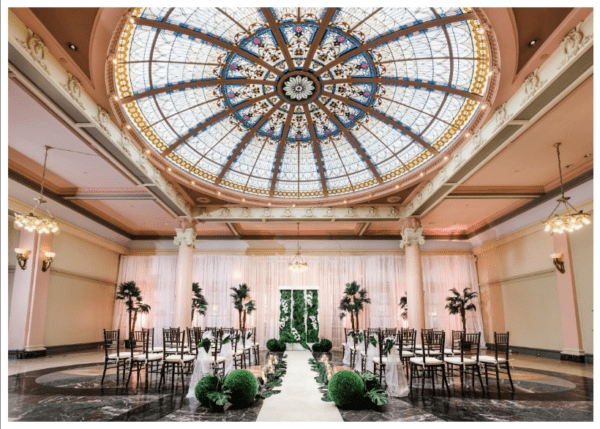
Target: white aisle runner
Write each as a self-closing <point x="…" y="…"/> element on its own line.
<point x="300" y="399"/>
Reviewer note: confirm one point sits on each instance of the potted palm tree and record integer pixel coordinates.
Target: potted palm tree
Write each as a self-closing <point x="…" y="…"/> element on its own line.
<point x="132" y="296"/>
<point x="199" y="303"/>
<point x="460" y="303"/>
<point x="142" y="307"/>
<point x="353" y="302"/>
<point x="242" y="303"/>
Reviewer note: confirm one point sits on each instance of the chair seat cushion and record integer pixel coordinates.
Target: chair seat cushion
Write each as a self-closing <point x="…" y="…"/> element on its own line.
<point x="248" y="347"/>
<point x="238" y="353"/>
<point x="406" y="354"/>
<point x="157" y="350"/>
<point x="451" y="351"/>
<point x="383" y="359"/>
<point x="151" y="357"/>
<point x="491" y="359"/>
<point x="419" y="352"/>
<point x="456" y="361"/>
<point x="174" y="350"/>
<point x="122" y="355"/>
<point x="428" y="361"/>
<point x="219" y="360"/>
<point x="177" y="358"/>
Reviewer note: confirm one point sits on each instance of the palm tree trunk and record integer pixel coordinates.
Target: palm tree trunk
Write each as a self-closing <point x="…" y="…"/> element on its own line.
<point x="134" y="320"/>
<point x="244" y="320"/>
<point x="464" y="320"/>
<point x="352" y="320"/>
<point x="240" y="318"/>
<point x="356" y="317"/>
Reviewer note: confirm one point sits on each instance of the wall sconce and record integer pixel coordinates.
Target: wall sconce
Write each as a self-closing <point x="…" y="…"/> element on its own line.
<point x="47" y="260"/>
<point x="558" y="262"/>
<point x="22" y="256"/>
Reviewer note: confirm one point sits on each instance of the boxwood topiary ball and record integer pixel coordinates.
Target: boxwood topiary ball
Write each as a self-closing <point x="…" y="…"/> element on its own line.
<point x="326" y="345"/>
<point x="282" y="346"/>
<point x="316" y="347"/>
<point x="346" y="389"/>
<point x="206" y="384"/>
<point x="243" y="387"/>
<point x="273" y="345"/>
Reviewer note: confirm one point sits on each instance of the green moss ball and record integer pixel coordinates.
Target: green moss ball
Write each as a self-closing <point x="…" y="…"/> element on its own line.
<point x="316" y="347"/>
<point x="205" y="385"/>
<point x="282" y="346"/>
<point x="326" y="345"/>
<point x="347" y="389"/>
<point x="273" y="345"/>
<point x="243" y="386"/>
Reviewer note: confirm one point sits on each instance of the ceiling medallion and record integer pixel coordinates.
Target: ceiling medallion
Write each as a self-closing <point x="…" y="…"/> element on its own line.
<point x="299" y="87"/>
<point x="300" y="103"/>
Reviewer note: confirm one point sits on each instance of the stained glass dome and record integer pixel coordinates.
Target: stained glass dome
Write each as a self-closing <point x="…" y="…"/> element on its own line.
<point x="300" y="102"/>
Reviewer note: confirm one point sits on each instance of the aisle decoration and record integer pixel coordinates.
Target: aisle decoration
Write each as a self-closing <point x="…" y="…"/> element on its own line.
<point x="276" y="346"/>
<point x="240" y="387"/>
<point x="312" y="316"/>
<point x="199" y="303"/>
<point x="298" y="323"/>
<point x="348" y="389"/>
<point x="242" y="303"/>
<point x="299" y="316"/>
<point x="285" y="317"/>
<point x="353" y="302"/>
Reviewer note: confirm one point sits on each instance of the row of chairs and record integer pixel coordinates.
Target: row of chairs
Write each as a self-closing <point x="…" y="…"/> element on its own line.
<point x="176" y="354"/>
<point x="432" y="355"/>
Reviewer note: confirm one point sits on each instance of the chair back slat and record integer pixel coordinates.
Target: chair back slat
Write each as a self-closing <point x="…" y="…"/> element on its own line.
<point x="433" y="344"/>
<point x="111" y="342"/>
<point x="502" y="345"/>
<point x="469" y="343"/>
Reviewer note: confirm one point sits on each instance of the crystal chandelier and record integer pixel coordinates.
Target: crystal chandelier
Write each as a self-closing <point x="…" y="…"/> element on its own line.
<point x="572" y="219"/>
<point x="297" y="264"/>
<point x="33" y="222"/>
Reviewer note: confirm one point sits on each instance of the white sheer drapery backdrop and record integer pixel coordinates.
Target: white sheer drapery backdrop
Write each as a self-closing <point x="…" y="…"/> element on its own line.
<point x="382" y="275"/>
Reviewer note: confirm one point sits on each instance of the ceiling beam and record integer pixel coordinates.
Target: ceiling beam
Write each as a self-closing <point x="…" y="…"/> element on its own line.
<point x="404" y="82"/>
<point x="316" y="148"/>
<point x="206" y="38"/>
<point x="318" y="37"/>
<point x="363" y="228"/>
<point x="276" y="31"/>
<point x="351" y="139"/>
<point x="281" y="149"/>
<point x="233" y="228"/>
<point x="196" y="84"/>
<point x="376" y="114"/>
<point x="395" y="35"/>
<point x="215" y="119"/>
<point x="246" y="139"/>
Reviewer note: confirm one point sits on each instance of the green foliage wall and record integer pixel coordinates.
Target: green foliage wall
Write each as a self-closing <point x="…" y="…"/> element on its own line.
<point x="299" y="316"/>
<point x="312" y="319"/>
<point x="298" y="322"/>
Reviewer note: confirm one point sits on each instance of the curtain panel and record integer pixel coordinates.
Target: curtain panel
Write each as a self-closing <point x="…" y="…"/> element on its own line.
<point x="382" y="275"/>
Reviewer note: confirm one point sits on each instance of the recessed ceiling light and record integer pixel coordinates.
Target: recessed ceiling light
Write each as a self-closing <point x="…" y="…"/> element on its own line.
<point x="71" y="46"/>
<point x="269" y="204"/>
<point x="219" y="193"/>
<point x="147" y="150"/>
<point x="128" y="126"/>
<point x="192" y="182"/>
<point x="293" y="205"/>
<point x="244" y="199"/>
<point x="587" y="155"/>
<point x="169" y="169"/>
<point x="422" y="174"/>
<point x="446" y="158"/>
<point x="533" y="42"/>
<point x="397" y="186"/>
<point x="345" y="201"/>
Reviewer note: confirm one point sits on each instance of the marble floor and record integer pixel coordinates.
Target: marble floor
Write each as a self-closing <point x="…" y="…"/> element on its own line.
<point x="67" y="387"/>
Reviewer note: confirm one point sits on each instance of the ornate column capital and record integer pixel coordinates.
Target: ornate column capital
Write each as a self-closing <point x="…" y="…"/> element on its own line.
<point x="412" y="232"/>
<point x="185" y="231"/>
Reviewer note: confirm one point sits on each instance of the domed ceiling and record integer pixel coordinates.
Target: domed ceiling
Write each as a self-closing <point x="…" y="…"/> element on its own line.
<point x="296" y="103"/>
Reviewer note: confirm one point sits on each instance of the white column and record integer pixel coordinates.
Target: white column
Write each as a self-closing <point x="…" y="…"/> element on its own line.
<point x="412" y="238"/>
<point x="29" y="298"/>
<point x="186" y="240"/>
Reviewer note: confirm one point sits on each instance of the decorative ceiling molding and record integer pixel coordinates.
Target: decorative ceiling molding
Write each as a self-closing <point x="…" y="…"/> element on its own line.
<point x="294" y="214"/>
<point x="35" y="52"/>
<point x="556" y="77"/>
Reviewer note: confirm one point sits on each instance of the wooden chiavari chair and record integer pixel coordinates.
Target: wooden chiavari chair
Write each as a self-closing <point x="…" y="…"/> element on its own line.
<point x="500" y="359"/>
<point x="468" y="343"/>
<point x="430" y="361"/>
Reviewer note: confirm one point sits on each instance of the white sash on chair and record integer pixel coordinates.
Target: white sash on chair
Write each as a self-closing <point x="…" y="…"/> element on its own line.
<point x="347" y="350"/>
<point x="227" y="353"/>
<point x="360" y="350"/>
<point x="394" y="375"/>
<point x="372" y="352"/>
<point x="202" y="366"/>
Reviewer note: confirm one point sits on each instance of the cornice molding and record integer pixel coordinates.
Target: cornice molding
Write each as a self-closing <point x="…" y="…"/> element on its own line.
<point x="523" y="232"/>
<point x="506" y="123"/>
<point x="70" y="229"/>
<point x="291" y="252"/>
<point x="35" y="52"/>
<point x="76" y="276"/>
